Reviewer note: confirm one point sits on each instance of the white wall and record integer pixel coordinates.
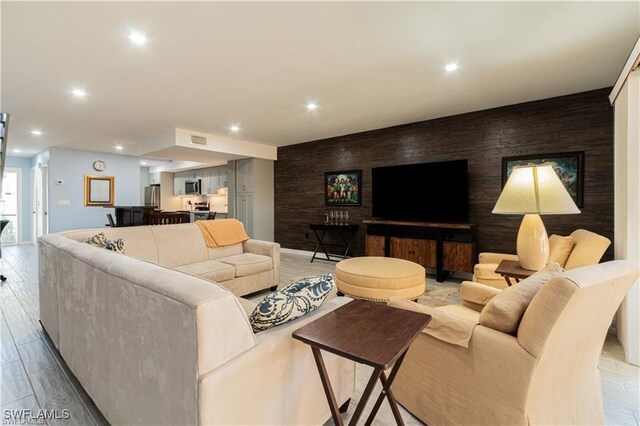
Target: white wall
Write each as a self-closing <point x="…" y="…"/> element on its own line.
<point x="627" y="207"/>
<point x="71" y="166"/>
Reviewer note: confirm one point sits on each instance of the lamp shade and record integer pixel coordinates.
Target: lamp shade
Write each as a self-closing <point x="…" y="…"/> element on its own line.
<point x="535" y="190"/>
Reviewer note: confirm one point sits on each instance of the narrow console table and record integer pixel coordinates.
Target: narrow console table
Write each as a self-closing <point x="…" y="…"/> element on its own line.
<point x="444" y="247"/>
<point x="346" y="234"/>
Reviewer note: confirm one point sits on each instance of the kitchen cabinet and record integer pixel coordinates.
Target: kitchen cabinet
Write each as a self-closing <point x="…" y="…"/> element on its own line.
<point x="213" y="179"/>
<point x="178" y="183"/>
<point x="253" y="196"/>
<point x="154" y="178"/>
<point x="207" y="181"/>
<point x="223" y="176"/>
<point x="245" y="207"/>
<point x="244" y="175"/>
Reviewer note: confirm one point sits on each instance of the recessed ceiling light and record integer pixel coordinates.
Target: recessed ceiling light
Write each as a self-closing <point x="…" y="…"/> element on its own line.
<point x="451" y="67"/>
<point x="234" y="128"/>
<point x="144" y="163"/>
<point x="137" y="38"/>
<point x="36" y="132"/>
<point x="79" y="93"/>
<point x="16" y="150"/>
<point x="311" y="106"/>
<point x="119" y="147"/>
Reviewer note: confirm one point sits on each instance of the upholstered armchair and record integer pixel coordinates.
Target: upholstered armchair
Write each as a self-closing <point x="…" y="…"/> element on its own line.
<point x="545" y="371"/>
<point x="581" y="248"/>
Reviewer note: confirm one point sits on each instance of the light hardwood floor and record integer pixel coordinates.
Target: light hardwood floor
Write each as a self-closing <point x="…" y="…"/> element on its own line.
<point x="33" y="376"/>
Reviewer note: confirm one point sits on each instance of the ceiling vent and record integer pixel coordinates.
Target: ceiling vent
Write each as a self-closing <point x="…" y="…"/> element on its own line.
<point x="198" y="140"/>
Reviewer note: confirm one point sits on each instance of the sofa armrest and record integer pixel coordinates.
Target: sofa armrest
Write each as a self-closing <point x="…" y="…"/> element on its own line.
<point x="488" y="257"/>
<point x="479" y="294"/>
<point x="443" y="326"/>
<point x="265" y="248"/>
<point x="265" y="384"/>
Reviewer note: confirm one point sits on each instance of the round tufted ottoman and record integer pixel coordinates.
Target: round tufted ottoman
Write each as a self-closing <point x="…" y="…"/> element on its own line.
<point x="379" y="278"/>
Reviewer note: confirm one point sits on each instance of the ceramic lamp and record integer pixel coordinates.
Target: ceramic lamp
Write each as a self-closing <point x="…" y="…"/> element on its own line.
<point x="532" y="191"/>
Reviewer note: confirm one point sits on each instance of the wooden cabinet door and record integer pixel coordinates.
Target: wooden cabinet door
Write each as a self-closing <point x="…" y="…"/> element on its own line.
<point x="458" y="256"/>
<point x="431" y="255"/>
<point x="411" y="249"/>
<point x="374" y="245"/>
<point x="244" y="175"/>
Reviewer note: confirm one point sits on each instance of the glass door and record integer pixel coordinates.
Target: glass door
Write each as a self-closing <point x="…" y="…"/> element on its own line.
<point x="9" y="206"/>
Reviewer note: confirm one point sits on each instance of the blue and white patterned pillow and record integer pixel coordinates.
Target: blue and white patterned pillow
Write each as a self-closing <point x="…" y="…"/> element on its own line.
<point x="291" y="302"/>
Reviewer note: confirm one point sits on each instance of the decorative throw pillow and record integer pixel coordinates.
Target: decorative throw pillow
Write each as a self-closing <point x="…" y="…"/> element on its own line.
<point x="101" y="241"/>
<point x="560" y="249"/>
<point x="293" y="301"/>
<point x="505" y="310"/>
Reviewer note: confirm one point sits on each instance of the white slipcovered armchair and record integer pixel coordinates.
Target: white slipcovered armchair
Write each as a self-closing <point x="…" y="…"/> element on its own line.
<point x="545" y="372"/>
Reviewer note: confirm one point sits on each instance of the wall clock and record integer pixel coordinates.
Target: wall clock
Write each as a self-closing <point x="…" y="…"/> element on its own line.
<point x="99" y="165"/>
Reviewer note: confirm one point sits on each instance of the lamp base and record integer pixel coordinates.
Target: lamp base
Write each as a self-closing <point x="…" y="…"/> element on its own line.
<point x="533" y="243"/>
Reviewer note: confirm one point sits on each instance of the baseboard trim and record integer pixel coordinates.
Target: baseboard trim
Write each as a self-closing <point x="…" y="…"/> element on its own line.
<point x="296" y="251"/>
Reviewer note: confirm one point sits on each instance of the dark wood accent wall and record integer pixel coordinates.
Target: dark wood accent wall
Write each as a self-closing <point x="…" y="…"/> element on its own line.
<point x="579" y="122"/>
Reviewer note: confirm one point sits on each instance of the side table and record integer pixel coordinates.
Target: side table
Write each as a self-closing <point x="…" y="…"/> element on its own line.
<point x="512" y="269"/>
<point x="368" y="333"/>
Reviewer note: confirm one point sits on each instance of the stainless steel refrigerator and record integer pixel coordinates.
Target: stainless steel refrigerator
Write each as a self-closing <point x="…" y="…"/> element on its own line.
<point x="152" y="196"/>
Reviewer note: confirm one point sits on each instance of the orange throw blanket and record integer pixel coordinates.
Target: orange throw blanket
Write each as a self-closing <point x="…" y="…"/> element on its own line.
<point x="222" y="232"/>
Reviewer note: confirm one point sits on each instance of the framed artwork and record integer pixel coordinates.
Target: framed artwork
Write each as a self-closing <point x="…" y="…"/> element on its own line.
<point x="343" y="189"/>
<point x="98" y="190"/>
<point x="568" y="165"/>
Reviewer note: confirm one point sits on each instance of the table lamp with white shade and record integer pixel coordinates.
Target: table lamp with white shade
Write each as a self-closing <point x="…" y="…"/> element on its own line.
<point x="532" y="191"/>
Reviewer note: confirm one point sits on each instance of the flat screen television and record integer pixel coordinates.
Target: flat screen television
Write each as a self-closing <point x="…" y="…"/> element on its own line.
<point x="427" y="192"/>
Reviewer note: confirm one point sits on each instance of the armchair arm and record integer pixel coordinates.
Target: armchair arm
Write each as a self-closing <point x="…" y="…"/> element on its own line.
<point x="443" y="326"/>
<point x="489" y="257"/>
<point x="479" y="294"/>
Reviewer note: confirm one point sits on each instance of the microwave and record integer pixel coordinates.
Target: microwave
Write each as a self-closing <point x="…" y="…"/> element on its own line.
<point x="192" y="187"/>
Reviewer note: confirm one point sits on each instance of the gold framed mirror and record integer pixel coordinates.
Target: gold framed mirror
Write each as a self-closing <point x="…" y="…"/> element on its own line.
<point x="98" y="190"/>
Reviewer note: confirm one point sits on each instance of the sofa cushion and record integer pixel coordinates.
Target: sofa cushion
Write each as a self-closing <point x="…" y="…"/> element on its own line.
<point x="179" y="245"/>
<point x="248" y="263"/>
<point x="291" y="302"/>
<point x="226" y="251"/>
<point x="560" y="249"/>
<point x="211" y="270"/>
<point x="140" y="242"/>
<point x="588" y="249"/>
<point x="505" y="310"/>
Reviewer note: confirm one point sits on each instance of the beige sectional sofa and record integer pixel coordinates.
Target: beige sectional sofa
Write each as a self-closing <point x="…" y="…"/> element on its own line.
<point x="154" y="342"/>
<point x="242" y="268"/>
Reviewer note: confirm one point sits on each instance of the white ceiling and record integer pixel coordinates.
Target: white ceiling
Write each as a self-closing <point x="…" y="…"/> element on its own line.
<point x="368" y="65"/>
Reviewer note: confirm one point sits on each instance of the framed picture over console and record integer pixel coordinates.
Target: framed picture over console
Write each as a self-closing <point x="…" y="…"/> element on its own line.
<point x="569" y="167"/>
<point x="343" y="189"/>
